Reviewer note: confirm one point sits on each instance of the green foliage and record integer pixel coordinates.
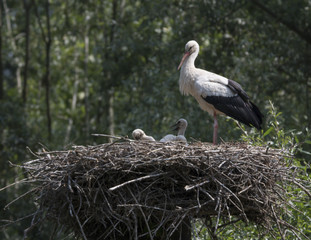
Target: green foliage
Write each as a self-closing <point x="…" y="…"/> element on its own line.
<point x="276" y="136"/>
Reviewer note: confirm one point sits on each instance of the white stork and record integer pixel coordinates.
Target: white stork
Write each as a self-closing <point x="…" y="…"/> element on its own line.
<point x="216" y="94"/>
<point x="139" y="134"/>
<point x="181" y="126"/>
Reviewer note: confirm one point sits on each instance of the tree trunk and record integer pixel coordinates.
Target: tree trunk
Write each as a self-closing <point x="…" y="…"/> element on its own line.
<point x="73" y="102"/>
<point x="308" y="85"/>
<point x="86" y="85"/>
<point x="17" y="60"/>
<point x="48" y="43"/>
<point x="46" y="79"/>
<point x="27" y="7"/>
<point x="111" y="113"/>
<point x="1" y="66"/>
<point x="110" y="75"/>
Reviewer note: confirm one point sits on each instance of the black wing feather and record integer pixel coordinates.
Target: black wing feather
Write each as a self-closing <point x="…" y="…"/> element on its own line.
<point x="238" y="107"/>
<point x="236" y="87"/>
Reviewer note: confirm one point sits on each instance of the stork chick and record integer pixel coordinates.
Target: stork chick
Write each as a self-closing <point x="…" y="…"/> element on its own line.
<point x="180" y="126"/>
<point x="139" y="134"/>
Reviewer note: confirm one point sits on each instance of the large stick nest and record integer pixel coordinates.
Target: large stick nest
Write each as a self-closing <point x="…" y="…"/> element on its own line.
<point x="136" y="190"/>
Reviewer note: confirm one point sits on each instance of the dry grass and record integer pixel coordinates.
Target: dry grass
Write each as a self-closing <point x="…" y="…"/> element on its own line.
<point x="144" y="190"/>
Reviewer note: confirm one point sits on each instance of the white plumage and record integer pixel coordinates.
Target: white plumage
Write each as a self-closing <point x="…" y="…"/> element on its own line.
<point x="139" y="134"/>
<point x="181" y="126"/>
<point x="216" y="94"/>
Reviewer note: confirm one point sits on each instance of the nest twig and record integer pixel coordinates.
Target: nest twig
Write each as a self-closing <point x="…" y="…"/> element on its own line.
<point x="137" y="190"/>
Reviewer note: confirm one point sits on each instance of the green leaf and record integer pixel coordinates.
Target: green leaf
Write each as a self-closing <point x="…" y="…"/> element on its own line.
<point x="296" y="139"/>
<point x="305" y="152"/>
<point x="278" y="114"/>
<point x="267" y="132"/>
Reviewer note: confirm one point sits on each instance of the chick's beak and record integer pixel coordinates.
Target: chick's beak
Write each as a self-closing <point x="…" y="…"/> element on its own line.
<point x="183" y="59"/>
<point x="175" y="127"/>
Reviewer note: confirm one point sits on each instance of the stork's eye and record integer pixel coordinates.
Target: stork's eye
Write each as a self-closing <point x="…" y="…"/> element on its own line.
<point x="190" y="48"/>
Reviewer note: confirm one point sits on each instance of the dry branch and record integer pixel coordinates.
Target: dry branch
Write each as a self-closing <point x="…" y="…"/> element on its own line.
<point x="144" y="190"/>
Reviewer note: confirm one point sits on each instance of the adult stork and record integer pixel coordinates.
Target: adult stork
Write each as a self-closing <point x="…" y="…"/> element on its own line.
<point x="180" y="126"/>
<point x="216" y="94"/>
<point x="139" y="134"/>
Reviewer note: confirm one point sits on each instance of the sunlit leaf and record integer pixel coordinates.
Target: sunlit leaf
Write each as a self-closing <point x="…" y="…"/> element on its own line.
<point x="267" y="132"/>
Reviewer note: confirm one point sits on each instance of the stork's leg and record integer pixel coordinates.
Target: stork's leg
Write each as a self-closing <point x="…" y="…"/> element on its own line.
<point x="215" y="129"/>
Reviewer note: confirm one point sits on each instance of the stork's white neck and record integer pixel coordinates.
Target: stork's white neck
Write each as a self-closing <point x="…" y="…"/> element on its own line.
<point x="189" y="62"/>
<point x="181" y="131"/>
<point x="187" y="73"/>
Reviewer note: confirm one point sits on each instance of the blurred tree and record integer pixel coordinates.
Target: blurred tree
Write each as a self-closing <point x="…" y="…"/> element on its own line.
<point x="15" y="51"/>
<point x="27" y="7"/>
<point x="1" y="65"/>
<point x="47" y="39"/>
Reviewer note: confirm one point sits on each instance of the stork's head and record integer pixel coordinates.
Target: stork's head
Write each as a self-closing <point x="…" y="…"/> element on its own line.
<point x="180" y="124"/>
<point x="138" y="134"/>
<point x="190" y="48"/>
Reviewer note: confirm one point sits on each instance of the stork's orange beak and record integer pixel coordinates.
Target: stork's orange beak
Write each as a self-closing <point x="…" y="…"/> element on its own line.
<point x="183" y="59"/>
